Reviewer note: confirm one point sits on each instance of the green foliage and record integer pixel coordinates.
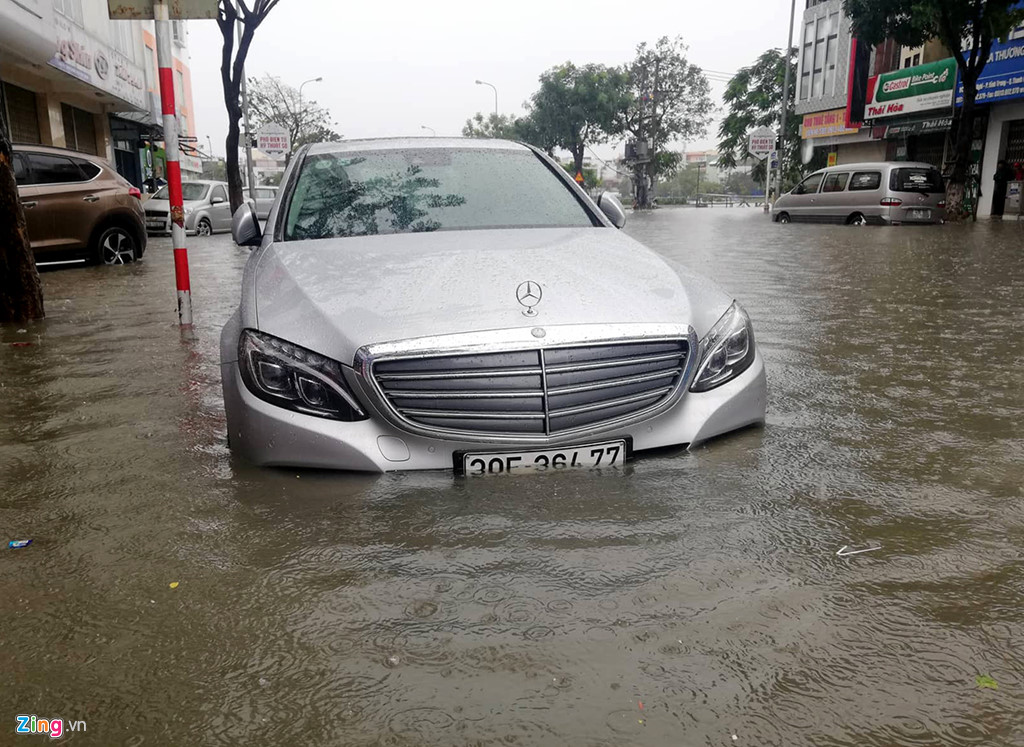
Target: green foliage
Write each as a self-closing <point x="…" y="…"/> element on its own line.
<point x="215" y="170"/>
<point x="752" y="98"/>
<point x="272" y="180"/>
<point x="684" y="184"/>
<point x="271" y="100"/>
<point x="970" y="24"/>
<point x="501" y="126"/>
<point x="575" y="107"/>
<point x="741" y="183"/>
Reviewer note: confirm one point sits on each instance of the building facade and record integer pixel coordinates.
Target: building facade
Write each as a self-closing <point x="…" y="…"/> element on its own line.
<point x="895" y="103"/>
<point x="72" y="78"/>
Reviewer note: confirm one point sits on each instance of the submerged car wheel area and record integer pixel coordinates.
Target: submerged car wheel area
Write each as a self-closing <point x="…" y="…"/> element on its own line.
<point x="403" y="311"/>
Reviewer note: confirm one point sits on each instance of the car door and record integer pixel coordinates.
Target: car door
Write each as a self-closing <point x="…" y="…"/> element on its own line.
<point x="220" y="208"/>
<point x="833" y="199"/>
<point x="68" y="199"/>
<point x="35" y="219"/>
<point x="805" y="198"/>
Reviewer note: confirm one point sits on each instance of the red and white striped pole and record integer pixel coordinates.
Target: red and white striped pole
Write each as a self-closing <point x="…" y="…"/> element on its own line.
<point x="165" y="63"/>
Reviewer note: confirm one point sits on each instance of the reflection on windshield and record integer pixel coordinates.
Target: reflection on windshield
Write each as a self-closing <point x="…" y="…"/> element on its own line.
<point x="346" y="194"/>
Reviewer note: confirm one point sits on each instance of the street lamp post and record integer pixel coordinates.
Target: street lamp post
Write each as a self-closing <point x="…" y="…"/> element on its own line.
<point x="311" y="80"/>
<point x="485" y="83"/>
<point x="210" y="144"/>
<point x="785" y="106"/>
<point x="433" y="132"/>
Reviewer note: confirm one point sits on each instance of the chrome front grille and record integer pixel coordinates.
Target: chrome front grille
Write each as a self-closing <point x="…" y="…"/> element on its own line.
<point x="537" y="392"/>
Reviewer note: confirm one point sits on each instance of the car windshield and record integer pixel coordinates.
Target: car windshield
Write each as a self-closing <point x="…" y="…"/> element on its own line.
<point x="427" y="189"/>
<point x="916" y="180"/>
<point x="189" y="191"/>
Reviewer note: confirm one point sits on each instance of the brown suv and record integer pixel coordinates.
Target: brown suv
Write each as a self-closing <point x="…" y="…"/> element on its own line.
<point x="77" y="206"/>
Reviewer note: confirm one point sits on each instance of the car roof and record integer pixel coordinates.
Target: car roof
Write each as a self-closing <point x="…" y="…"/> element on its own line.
<point x="402" y="143"/>
<point x="879" y="165"/>
<point x="203" y="181"/>
<point x="54" y="150"/>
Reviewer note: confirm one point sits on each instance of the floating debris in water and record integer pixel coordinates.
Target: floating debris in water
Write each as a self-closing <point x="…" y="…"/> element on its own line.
<point x="18" y="544"/>
<point x="173" y="584"/>
<point x="844" y="551"/>
<point x="985" y="680"/>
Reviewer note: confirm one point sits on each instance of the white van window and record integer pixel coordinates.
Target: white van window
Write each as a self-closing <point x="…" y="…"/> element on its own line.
<point x="809" y="185"/>
<point x="864" y="181"/>
<point x="836" y="182"/>
<point x="928" y="181"/>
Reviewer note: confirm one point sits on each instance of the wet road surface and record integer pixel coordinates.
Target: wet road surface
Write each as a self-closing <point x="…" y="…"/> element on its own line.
<point x="326" y="609"/>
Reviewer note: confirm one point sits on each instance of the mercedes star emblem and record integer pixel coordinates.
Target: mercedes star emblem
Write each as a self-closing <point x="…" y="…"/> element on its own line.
<point x="529" y="294"/>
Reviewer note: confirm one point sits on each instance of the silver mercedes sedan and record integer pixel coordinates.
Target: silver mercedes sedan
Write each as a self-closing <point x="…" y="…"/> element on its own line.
<point x="462" y="304"/>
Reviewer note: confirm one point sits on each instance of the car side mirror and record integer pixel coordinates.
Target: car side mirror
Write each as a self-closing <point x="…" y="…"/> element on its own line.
<point x="216" y="200"/>
<point x="612" y="209"/>
<point x="245" y="226"/>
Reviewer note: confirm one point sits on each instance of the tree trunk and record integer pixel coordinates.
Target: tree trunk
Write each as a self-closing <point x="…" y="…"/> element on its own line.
<point x="955" y="185"/>
<point x="234" y="172"/>
<point x="21" y="294"/>
<point x="577" y="161"/>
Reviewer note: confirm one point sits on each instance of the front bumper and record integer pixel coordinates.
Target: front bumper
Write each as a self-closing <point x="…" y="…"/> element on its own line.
<point x="271" y="436"/>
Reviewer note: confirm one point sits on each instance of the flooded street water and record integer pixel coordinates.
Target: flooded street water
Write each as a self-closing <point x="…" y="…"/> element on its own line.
<point x="317" y="608"/>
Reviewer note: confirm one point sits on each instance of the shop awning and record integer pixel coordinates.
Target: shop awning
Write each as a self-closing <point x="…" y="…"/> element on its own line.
<point x="920" y="126"/>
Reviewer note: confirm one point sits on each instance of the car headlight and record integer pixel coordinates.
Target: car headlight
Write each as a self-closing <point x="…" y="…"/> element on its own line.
<point x="726" y="351"/>
<point x="288" y="376"/>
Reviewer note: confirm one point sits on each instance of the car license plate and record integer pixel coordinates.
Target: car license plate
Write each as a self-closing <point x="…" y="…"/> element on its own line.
<point x="921" y="214"/>
<point x="155" y="224"/>
<point x="593" y="456"/>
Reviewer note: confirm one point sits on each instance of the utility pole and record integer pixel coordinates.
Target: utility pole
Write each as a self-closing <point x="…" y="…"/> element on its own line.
<point x="165" y="72"/>
<point x="785" y="103"/>
<point x="249" y="169"/>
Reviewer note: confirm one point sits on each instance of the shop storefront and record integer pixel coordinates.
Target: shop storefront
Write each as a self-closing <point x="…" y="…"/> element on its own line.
<point x="911" y="111"/>
<point x="1001" y="100"/>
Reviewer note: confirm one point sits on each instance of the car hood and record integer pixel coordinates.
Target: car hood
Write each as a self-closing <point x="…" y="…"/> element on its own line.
<point x="336" y="295"/>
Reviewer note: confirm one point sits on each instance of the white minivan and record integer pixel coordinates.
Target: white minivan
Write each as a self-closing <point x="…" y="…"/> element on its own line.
<point x="862" y="193"/>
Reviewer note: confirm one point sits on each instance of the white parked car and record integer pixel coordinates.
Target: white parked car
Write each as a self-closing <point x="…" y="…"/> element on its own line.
<point x="462" y="304"/>
<point x="206" y="206"/>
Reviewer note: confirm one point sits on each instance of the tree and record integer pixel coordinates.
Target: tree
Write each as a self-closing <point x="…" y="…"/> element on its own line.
<point x="501" y="126"/>
<point x="232" y="64"/>
<point x="740" y="182"/>
<point x="669" y="99"/>
<point x="753" y="97"/>
<point x="966" y="27"/>
<point x="577" y="106"/>
<point x="21" y="294"/>
<point x="270" y="100"/>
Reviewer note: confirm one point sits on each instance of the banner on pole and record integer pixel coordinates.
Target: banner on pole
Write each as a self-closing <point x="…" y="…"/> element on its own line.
<point x="761" y="142"/>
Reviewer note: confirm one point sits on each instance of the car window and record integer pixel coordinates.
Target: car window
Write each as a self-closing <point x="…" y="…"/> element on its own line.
<point x="190" y="191"/>
<point x="218" y="191"/>
<point x="49" y="169"/>
<point x="863" y="181"/>
<point x="835" y="182"/>
<point x="89" y="169"/>
<point x="916" y="180"/>
<point x="809" y="185"/>
<point x="20" y="170"/>
<point x="264" y="193"/>
<point x="427" y="189"/>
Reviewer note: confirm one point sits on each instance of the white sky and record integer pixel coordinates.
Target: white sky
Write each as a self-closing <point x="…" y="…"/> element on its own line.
<point x="391" y="66"/>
